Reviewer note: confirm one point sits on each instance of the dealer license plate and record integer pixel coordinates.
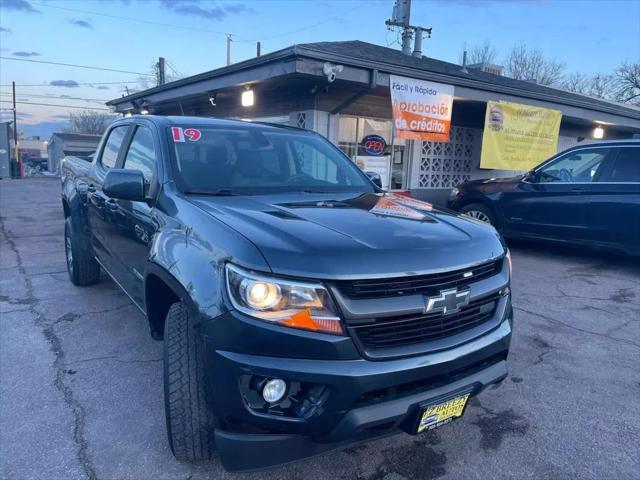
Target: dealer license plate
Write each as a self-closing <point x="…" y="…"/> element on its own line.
<point x="434" y="416"/>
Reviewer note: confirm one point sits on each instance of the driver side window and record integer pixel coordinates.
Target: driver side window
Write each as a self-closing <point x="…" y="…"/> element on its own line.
<point x="577" y="167"/>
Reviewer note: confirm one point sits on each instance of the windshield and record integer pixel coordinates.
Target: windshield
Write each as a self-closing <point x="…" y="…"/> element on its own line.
<point x="252" y="160"/>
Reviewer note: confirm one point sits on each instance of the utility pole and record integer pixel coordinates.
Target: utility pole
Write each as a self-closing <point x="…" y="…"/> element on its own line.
<point x="228" y="49"/>
<point x="401" y="18"/>
<point x="15" y="131"/>
<point x="161" y="71"/>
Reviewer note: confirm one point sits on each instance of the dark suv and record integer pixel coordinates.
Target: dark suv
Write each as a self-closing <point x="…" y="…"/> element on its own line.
<point x="588" y="195"/>
<point x="301" y="308"/>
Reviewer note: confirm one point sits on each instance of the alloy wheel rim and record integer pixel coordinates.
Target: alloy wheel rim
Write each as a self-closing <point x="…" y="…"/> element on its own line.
<point x="69" y="253"/>
<point x="478" y="215"/>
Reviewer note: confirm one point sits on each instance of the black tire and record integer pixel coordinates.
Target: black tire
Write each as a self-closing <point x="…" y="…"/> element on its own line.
<point x="190" y="421"/>
<point x="81" y="265"/>
<point x="480" y="212"/>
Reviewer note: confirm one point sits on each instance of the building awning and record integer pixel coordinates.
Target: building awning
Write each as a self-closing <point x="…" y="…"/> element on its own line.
<point x="366" y="67"/>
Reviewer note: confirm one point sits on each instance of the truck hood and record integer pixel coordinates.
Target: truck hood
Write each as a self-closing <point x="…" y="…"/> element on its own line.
<point x="347" y="235"/>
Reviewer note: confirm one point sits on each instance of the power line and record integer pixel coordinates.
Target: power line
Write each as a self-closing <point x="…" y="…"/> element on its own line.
<point x="302" y="29"/>
<point x="56" y="105"/>
<point x="84" y="83"/>
<point x="76" y="66"/>
<point x="196" y="29"/>
<point x="63" y="97"/>
<point x="118" y="17"/>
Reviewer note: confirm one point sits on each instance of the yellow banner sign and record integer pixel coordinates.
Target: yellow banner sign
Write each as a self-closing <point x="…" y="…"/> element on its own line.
<point x="421" y="109"/>
<point x="518" y="137"/>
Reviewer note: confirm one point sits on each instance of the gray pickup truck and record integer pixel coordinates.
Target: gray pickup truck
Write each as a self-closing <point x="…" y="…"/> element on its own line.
<point x="302" y="308"/>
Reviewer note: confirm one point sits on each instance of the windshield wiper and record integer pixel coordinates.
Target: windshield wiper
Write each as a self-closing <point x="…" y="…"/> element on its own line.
<point x="222" y="192"/>
<point x="311" y="190"/>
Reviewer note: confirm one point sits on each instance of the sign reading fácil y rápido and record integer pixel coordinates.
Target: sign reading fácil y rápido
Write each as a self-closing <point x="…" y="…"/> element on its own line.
<point x="421" y="110"/>
<point x="518" y="137"/>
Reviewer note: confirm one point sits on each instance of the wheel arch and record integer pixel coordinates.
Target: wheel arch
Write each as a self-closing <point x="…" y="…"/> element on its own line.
<point x="486" y="202"/>
<point x="161" y="290"/>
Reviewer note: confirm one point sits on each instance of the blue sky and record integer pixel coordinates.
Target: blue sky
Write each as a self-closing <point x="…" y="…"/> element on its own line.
<point x="588" y="36"/>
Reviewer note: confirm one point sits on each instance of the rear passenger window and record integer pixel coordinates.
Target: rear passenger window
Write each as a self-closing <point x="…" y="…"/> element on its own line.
<point x="625" y="167"/>
<point x="112" y="147"/>
<point x="141" y="154"/>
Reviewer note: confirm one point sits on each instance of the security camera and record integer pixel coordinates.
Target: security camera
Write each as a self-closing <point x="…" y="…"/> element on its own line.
<point x="331" y="70"/>
<point x="212" y="99"/>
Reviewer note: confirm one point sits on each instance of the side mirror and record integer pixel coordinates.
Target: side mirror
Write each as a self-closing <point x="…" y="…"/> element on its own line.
<point x="531" y="177"/>
<point x="375" y="178"/>
<point x="124" y="184"/>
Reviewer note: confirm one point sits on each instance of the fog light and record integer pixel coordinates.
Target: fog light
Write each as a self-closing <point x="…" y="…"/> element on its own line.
<point x="274" y="390"/>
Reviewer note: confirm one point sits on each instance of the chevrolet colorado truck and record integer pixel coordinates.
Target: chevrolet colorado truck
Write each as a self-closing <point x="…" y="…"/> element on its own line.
<point x="302" y="308"/>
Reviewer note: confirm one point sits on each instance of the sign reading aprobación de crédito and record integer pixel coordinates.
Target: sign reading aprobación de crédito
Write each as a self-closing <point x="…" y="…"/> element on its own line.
<point x="518" y="137"/>
<point x="421" y="110"/>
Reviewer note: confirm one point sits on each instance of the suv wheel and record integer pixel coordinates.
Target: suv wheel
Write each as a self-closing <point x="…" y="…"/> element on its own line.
<point x="190" y="421"/>
<point x="479" y="212"/>
<point x="82" y="267"/>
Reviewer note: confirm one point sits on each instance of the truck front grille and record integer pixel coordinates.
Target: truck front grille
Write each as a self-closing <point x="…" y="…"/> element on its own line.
<point x="406" y="330"/>
<point x="420" y="284"/>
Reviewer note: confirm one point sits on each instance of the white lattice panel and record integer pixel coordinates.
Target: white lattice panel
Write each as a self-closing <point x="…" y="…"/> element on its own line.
<point x="445" y="165"/>
<point x="301" y="120"/>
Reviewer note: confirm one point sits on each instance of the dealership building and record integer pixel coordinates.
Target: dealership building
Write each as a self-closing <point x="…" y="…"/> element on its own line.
<point x="342" y="91"/>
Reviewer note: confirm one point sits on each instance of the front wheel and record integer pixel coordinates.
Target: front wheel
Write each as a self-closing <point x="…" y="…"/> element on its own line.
<point x="479" y="212"/>
<point x="190" y="421"/>
<point x="82" y="267"/>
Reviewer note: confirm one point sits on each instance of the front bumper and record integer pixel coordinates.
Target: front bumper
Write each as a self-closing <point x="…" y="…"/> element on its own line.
<point x="367" y="398"/>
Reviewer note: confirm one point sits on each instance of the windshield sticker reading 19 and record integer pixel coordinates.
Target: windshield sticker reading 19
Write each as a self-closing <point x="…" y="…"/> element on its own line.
<point x="413" y="88"/>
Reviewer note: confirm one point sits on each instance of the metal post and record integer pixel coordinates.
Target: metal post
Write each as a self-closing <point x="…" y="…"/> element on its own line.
<point x="258" y="49"/>
<point x="407" y="34"/>
<point x="417" y="46"/>
<point x="161" y="71"/>
<point x="228" y="49"/>
<point x="15" y="131"/>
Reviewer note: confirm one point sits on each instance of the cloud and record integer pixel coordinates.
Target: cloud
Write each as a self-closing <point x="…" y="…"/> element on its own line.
<point x="26" y="54"/>
<point x="19" y="6"/>
<point x="64" y="83"/>
<point x="194" y="8"/>
<point x="44" y="129"/>
<point x="102" y="87"/>
<point x="81" y="23"/>
<point x="8" y="116"/>
<point x="5" y="30"/>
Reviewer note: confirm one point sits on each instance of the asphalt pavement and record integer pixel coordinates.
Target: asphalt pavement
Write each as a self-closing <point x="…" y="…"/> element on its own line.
<point x="81" y="379"/>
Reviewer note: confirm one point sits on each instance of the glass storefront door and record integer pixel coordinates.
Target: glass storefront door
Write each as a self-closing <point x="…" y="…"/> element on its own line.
<point x="355" y="137"/>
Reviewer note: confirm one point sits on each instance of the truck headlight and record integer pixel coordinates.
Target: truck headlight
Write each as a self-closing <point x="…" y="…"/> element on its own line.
<point x="290" y="303"/>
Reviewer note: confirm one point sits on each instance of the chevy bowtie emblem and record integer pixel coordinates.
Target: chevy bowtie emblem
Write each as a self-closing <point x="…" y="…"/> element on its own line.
<point x="449" y="301"/>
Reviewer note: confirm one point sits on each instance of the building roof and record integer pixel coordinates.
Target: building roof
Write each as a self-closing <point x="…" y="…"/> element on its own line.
<point x="71" y="137"/>
<point x="367" y="55"/>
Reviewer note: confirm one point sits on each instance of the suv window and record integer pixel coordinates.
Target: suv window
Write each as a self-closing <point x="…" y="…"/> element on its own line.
<point x="577" y="167"/>
<point x="141" y="154"/>
<point x="111" y="148"/>
<point x="625" y="167"/>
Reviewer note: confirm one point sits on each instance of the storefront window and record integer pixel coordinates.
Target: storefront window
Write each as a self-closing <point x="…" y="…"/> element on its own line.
<point x="390" y="163"/>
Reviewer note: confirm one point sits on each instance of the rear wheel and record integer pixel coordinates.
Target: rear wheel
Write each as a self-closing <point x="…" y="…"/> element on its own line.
<point x="82" y="267"/>
<point x="190" y="421"/>
<point x="479" y="212"/>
